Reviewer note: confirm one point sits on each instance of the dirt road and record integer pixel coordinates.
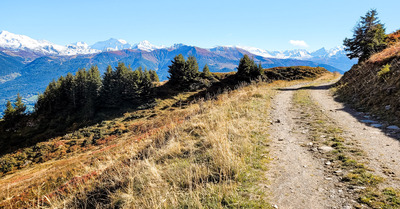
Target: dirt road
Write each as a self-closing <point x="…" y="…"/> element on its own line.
<point x="300" y="178"/>
<point x="382" y="146"/>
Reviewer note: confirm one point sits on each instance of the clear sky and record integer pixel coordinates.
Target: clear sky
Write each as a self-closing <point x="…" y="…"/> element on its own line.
<point x="271" y="25"/>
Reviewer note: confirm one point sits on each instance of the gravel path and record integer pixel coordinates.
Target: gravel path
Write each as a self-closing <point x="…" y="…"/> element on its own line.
<point x="297" y="178"/>
<point x="382" y="151"/>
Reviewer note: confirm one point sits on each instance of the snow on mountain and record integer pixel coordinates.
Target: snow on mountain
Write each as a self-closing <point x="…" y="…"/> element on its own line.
<point x="256" y="51"/>
<point x="16" y="42"/>
<point x="111" y="44"/>
<point x="79" y="48"/>
<point x="300" y="54"/>
<point x="146" y="46"/>
<point x="21" y="42"/>
<point x="337" y="51"/>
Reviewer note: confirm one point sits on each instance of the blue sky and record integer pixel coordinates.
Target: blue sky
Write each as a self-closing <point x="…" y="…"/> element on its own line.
<point x="264" y="24"/>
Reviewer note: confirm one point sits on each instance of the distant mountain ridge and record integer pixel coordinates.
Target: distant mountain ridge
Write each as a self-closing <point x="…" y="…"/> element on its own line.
<point x="10" y="43"/>
<point x="28" y="65"/>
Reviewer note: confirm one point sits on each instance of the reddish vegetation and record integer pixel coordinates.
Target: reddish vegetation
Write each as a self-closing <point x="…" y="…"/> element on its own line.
<point x="389" y="53"/>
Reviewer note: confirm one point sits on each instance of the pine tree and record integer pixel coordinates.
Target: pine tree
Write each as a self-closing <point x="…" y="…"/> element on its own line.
<point x="206" y="72"/>
<point x="81" y="87"/>
<point x="248" y="69"/>
<point x="191" y="70"/>
<point x="183" y="73"/>
<point x="19" y="106"/>
<point x="124" y="84"/>
<point x="146" y="83"/>
<point x="176" y="69"/>
<point x="68" y="91"/>
<point x="154" y="76"/>
<point x="109" y="87"/>
<point x="368" y="37"/>
<point x="93" y="90"/>
<point x="9" y="112"/>
<point x="14" y="112"/>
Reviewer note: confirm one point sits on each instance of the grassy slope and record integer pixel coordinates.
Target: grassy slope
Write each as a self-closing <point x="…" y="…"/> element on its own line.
<point x="220" y="159"/>
<point x="212" y="160"/>
<point x="374" y="85"/>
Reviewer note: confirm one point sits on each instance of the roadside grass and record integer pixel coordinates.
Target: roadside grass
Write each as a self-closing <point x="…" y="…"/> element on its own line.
<point x="345" y="157"/>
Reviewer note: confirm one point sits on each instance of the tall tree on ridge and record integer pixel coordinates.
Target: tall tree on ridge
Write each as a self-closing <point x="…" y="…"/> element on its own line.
<point x="368" y="37"/>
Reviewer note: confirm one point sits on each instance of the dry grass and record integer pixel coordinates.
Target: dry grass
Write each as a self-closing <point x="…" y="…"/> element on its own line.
<point x="213" y="160"/>
<point x="374" y="87"/>
<point x="32" y="184"/>
<point x="388" y="53"/>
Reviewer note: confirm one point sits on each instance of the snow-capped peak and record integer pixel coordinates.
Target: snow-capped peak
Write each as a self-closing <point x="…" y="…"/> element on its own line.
<point x="122" y="41"/>
<point x="111" y="44"/>
<point x="21" y="42"/>
<point x="301" y="54"/>
<point x="256" y="51"/>
<point x="81" y="44"/>
<point x="146" y="46"/>
<point x="79" y="48"/>
<point x="14" y="42"/>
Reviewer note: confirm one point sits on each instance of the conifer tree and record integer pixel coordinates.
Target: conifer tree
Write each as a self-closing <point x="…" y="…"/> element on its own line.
<point x="19" y="106"/>
<point x="108" y="88"/>
<point x="191" y="70"/>
<point x="93" y="89"/>
<point x="206" y="72"/>
<point x="146" y="83"/>
<point x="9" y="112"/>
<point x="14" y="112"/>
<point x="247" y="69"/>
<point x="81" y="87"/>
<point x="176" y="69"/>
<point x="183" y="73"/>
<point x="154" y="76"/>
<point x="368" y="37"/>
<point x="69" y="91"/>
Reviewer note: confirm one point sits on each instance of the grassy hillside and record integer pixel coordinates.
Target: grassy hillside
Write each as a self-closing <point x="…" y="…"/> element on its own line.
<point x="184" y="151"/>
<point x="374" y="85"/>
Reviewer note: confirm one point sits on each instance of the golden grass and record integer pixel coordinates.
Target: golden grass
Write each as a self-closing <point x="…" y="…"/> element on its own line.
<point x="20" y="188"/>
<point x="213" y="160"/>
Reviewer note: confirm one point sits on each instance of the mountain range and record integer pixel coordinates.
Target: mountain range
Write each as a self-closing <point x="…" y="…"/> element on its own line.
<point x="28" y="65"/>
